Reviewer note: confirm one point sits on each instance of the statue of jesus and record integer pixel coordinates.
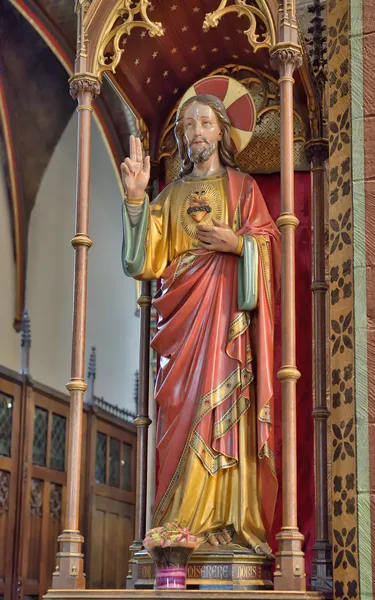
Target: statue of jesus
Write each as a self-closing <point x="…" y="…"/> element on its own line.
<point x="211" y="240"/>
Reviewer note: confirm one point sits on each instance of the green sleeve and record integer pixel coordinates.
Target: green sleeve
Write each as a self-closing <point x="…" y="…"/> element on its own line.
<point x="134" y="242"/>
<point x="248" y="275"/>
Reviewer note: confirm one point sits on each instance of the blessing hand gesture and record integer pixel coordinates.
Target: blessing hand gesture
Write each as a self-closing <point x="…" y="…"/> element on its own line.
<point x="135" y="171"/>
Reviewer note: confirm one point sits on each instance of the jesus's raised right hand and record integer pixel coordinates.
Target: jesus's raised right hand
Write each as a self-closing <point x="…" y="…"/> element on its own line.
<point x="135" y="171"/>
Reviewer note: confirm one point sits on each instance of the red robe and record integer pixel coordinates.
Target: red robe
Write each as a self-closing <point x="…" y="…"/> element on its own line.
<point x="213" y="351"/>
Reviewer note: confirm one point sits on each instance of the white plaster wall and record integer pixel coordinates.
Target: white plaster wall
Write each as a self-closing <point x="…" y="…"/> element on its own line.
<point x="111" y="323"/>
<point x="9" y="339"/>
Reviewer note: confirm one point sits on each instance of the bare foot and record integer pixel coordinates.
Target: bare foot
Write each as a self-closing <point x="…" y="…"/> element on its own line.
<point x="220" y="538"/>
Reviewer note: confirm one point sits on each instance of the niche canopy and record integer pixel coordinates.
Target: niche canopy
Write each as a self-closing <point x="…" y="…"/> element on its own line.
<point x="237" y="101"/>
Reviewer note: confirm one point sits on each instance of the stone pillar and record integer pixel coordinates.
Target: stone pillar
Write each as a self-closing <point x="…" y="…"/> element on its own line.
<point x="317" y="154"/>
<point x="69" y="573"/>
<point x="290" y="564"/>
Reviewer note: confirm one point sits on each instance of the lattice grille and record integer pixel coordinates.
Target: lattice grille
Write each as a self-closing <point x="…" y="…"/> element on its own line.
<point x="57" y="460"/>
<point x="114" y="462"/>
<point x="126" y="463"/>
<point x="101" y="457"/>
<point x="40" y="436"/>
<point x="6" y="417"/>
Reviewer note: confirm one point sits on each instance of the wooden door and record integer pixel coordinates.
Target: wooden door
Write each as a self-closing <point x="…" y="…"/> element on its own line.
<point x="110" y="529"/>
<point x="10" y="416"/>
<point x="44" y="495"/>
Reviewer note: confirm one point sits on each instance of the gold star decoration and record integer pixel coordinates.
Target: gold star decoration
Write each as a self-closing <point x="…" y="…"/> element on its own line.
<point x="227" y="38"/>
<point x="160" y="98"/>
<point x="175" y="91"/>
<point x="184" y="69"/>
<point x="196" y="9"/>
<point x="193" y="48"/>
<point x="173" y="7"/>
<point x="151" y="8"/>
<point x="234" y="55"/>
<point x="154" y="54"/>
<point x="184" y="28"/>
<point x="174" y="50"/>
<point x="143" y="33"/>
<point x="203" y="67"/>
<point x="136" y="62"/>
<point x="165" y="74"/>
<point x="148" y="80"/>
<point x="214" y="49"/>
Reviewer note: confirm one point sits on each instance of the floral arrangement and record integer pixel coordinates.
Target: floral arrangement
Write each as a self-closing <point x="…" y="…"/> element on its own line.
<point x="171" y="535"/>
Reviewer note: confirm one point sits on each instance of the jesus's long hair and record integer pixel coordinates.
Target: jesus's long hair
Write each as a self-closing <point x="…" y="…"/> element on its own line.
<point x="226" y="153"/>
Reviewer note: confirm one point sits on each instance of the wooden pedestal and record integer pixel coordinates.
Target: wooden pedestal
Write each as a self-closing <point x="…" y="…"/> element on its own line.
<point x="230" y="568"/>
<point x="180" y="595"/>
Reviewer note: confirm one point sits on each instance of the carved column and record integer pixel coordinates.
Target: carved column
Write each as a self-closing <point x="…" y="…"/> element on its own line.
<point x="69" y="569"/>
<point x="23" y="471"/>
<point x="25" y="343"/>
<point x="317" y="154"/>
<point x="290" y="564"/>
<point x="142" y="421"/>
<point x="91" y="376"/>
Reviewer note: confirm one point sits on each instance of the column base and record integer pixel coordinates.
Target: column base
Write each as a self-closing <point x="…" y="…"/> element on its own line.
<point x="68" y="572"/>
<point x="321" y="579"/>
<point x="133" y="564"/>
<point x="290" y="561"/>
<point x="227" y="567"/>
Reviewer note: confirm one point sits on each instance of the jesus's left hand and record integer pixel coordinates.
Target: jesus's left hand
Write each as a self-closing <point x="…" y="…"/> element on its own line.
<point x="219" y="237"/>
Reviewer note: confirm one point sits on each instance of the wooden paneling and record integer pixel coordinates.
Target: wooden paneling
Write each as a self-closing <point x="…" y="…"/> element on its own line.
<point x="33" y="476"/>
<point x="113" y="534"/>
<point x="110" y="521"/>
<point x="42" y="515"/>
<point x="11" y="392"/>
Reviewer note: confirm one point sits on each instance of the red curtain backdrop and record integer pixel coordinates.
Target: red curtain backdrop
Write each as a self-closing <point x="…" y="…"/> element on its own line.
<point x="270" y="188"/>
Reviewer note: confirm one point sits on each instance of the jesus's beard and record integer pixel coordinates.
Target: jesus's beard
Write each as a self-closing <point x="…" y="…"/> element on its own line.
<point x="200" y="155"/>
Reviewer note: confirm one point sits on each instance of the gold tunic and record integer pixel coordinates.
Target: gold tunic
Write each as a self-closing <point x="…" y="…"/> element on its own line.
<point x="173" y="219"/>
<point x="230" y="498"/>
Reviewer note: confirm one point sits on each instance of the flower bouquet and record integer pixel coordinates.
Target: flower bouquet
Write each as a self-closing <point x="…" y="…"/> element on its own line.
<point x="170" y="547"/>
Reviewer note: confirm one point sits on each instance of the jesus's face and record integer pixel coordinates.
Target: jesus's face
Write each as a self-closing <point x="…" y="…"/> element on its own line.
<point x="202" y="132"/>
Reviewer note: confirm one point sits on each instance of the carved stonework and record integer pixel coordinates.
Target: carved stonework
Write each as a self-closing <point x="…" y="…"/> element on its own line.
<point x="4" y="491"/>
<point x="317" y="151"/>
<point x="84" y="84"/>
<point x="286" y="58"/>
<point x="258" y="15"/>
<point x="124" y="19"/>
<point x="36" y="498"/>
<point x="55" y="501"/>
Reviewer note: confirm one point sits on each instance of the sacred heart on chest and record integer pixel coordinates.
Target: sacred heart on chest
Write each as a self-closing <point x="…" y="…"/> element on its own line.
<point x="199" y="205"/>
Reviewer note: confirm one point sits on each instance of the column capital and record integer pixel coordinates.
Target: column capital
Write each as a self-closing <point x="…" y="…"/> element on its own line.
<point x="285" y="57"/>
<point x="317" y="151"/>
<point x="84" y="82"/>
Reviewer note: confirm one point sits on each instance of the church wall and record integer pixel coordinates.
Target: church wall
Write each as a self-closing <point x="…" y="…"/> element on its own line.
<point x="351" y="38"/>
<point x="9" y="340"/>
<point x="111" y="300"/>
<point x="345" y="535"/>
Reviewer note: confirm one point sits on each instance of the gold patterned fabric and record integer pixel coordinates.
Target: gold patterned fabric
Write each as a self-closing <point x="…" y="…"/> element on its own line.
<point x="173" y="220"/>
<point x="209" y="503"/>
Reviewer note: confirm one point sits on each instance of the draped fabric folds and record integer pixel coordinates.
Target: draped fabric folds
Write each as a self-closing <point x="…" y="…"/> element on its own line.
<point x="215" y="383"/>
